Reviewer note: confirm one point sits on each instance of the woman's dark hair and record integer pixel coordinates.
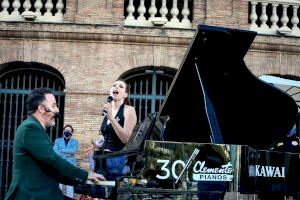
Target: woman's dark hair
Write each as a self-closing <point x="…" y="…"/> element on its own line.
<point x="68" y="125"/>
<point x="127" y="89"/>
<point x="35" y="98"/>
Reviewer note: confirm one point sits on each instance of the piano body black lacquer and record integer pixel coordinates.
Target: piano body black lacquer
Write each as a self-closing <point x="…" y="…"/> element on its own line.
<point x="222" y="121"/>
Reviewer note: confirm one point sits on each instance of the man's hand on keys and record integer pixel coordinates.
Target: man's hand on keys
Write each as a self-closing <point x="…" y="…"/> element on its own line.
<point x="95" y="178"/>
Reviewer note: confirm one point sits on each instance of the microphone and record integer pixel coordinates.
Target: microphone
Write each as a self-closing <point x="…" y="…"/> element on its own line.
<point x="108" y="100"/>
<point x="56" y="115"/>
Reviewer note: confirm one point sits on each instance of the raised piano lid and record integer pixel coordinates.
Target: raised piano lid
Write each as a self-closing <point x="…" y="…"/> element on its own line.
<point x="243" y="109"/>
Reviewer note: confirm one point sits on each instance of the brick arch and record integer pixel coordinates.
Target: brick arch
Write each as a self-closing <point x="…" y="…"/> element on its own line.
<point x="148" y="86"/>
<point x="43" y="54"/>
<point x="61" y="65"/>
<point x="168" y="70"/>
<point x="150" y="56"/>
<point x="19" y="65"/>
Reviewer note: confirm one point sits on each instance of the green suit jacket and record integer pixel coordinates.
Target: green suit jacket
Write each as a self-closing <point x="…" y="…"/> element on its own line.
<point x="37" y="169"/>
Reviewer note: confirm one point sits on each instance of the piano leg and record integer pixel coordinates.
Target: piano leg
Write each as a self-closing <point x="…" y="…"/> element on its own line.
<point x="211" y="190"/>
<point x="269" y="195"/>
<point x="211" y="195"/>
<point x="296" y="196"/>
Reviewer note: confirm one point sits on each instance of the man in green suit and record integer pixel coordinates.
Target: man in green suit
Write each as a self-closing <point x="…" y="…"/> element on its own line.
<point x="37" y="169"/>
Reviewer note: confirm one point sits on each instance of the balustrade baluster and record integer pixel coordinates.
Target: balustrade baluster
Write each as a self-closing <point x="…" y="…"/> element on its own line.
<point x="16" y="5"/>
<point x="253" y="16"/>
<point x="174" y="12"/>
<point x="142" y="10"/>
<point x="284" y="20"/>
<point x="38" y="5"/>
<point x="274" y="18"/>
<point x="295" y="19"/>
<point x="5" y="5"/>
<point x="130" y="10"/>
<point x="26" y="5"/>
<point x="185" y="13"/>
<point x="264" y="17"/>
<point x="59" y="7"/>
<point x="164" y="10"/>
<point x="48" y="6"/>
<point x="152" y="10"/>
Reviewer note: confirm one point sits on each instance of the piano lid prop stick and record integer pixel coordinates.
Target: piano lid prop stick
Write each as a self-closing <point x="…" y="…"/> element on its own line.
<point x="193" y="156"/>
<point x="216" y="136"/>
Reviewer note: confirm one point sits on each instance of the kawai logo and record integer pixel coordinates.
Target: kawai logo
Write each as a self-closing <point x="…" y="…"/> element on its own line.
<point x="266" y="171"/>
<point x="203" y="173"/>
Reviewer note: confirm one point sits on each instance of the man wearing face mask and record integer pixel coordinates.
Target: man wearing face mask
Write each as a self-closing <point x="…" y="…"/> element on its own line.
<point x="37" y="169"/>
<point x="66" y="147"/>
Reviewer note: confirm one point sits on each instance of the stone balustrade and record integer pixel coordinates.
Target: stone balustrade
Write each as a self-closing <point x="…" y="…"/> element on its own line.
<point x="275" y="17"/>
<point x="36" y="10"/>
<point x="167" y="13"/>
<point x="269" y="17"/>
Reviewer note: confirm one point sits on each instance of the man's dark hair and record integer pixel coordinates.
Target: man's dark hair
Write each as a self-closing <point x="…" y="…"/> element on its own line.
<point x="71" y="127"/>
<point x="35" y="98"/>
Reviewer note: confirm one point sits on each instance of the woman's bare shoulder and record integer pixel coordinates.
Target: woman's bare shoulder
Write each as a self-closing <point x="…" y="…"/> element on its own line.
<point x="129" y="108"/>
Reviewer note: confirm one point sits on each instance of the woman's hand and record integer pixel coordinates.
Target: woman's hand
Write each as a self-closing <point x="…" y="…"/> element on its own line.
<point x="89" y="151"/>
<point x="95" y="145"/>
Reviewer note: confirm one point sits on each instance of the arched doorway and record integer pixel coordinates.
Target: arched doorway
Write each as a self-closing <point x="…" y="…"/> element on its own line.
<point x="148" y="88"/>
<point x="17" y="79"/>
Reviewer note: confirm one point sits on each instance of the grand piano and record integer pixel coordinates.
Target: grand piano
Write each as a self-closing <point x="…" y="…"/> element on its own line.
<point x="215" y="130"/>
